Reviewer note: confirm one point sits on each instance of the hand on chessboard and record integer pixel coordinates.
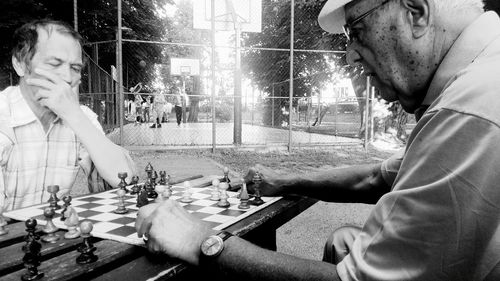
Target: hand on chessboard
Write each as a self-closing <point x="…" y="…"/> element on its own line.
<point x="271" y="183"/>
<point x="168" y="228"/>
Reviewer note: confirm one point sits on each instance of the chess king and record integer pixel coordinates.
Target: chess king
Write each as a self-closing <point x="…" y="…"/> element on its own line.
<point x="45" y="135"/>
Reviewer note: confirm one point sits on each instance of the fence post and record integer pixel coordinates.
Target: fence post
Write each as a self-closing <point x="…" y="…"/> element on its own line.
<point x="119" y="70"/>
<point x="212" y="62"/>
<point x="292" y="19"/>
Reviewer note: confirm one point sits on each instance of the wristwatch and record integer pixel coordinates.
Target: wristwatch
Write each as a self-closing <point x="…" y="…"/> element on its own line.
<point x="213" y="245"/>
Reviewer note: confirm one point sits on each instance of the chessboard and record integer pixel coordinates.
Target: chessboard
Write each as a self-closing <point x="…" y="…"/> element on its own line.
<point x="98" y="208"/>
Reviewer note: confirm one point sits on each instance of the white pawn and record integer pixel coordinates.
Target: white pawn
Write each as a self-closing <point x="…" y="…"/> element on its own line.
<point x="223" y="186"/>
<point x="215" y="190"/>
<point x="160" y="189"/>
<point x="186" y="196"/>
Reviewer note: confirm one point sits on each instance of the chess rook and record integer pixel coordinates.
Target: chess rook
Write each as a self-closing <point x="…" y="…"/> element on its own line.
<point x="53" y="189"/>
<point x="186" y="196"/>
<point x="123" y="184"/>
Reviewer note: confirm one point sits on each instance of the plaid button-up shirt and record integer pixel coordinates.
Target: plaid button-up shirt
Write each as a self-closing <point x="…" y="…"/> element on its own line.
<point x="32" y="159"/>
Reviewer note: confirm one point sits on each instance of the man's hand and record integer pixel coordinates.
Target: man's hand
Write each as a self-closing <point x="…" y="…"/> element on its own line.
<point x="170" y="229"/>
<point x="272" y="183"/>
<point x="54" y="93"/>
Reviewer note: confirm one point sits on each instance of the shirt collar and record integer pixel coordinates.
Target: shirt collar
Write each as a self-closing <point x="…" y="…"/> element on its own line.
<point x="20" y="112"/>
<point x="468" y="46"/>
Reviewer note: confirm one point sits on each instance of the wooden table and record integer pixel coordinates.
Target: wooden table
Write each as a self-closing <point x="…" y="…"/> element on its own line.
<point x="120" y="261"/>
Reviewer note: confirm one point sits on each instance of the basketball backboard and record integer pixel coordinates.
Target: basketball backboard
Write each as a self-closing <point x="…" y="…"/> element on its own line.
<point x="184" y="66"/>
<point x="249" y="14"/>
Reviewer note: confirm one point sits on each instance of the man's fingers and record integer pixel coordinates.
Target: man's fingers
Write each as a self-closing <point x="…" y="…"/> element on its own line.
<point x="54" y="78"/>
<point x="39" y="82"/>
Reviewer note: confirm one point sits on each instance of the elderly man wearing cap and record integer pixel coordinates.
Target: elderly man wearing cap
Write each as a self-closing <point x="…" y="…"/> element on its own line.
<point x="437" y="205"/>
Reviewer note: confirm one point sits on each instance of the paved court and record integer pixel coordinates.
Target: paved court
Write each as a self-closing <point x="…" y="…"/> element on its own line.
<point x="200" y="134"/>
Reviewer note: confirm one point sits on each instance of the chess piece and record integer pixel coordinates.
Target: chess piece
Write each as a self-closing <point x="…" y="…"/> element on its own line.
<point x="167" y="192"/>
<point x="257" y="200"/>
<point x="3" y="223"/>
<point x="135" y="180"/>
<point x="121" y="203"/>
<point x="215" y="190"/>
<point x="135" y="189"/>
<point x="226" y="177"/>
<point x="163" y="178"/>
<point x="223" y="186"/>
<point x="67" y="202"/>
<point x="50" y="227"/>
<point x="150" y="188"/>
<point x="31" y="249"/>
<point x="71" y="223"/>
<point x="53" y="189"/>
<point x="142" y="198"/>
<point x="154" y="176"/>
<point x="160" y="189"/>
<point x="149" y="170"/>
<point x="244" y="196"/>
<point x="123" y="184"/>
<point x="186" y="196"/>
<point x="87" y="248"/>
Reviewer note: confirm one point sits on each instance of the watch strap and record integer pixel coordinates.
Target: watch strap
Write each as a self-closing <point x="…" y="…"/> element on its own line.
<point x="224" y="235"/>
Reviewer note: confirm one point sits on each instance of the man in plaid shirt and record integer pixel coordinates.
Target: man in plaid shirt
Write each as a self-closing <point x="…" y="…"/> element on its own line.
<point x="45" y="135"/>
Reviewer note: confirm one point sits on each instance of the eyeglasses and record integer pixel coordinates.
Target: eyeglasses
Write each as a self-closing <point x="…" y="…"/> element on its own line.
<point x="348" y="26"/>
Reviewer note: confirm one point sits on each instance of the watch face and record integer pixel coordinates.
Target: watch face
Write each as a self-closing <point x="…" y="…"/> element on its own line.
<point x="212" y="246"/>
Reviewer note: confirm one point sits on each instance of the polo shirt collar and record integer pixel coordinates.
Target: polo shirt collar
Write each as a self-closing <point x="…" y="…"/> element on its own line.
<point x="468" y="46"/>
<point x="20" y="112"/>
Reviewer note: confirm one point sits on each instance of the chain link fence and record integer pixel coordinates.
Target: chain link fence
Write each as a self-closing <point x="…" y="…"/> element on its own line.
<point x="286" y="84"/>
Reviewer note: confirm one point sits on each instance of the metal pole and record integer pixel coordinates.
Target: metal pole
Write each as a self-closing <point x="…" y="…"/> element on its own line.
<point x="237" y="75"/>
<point x="272" y="108"/>
<point x="212" y="61"/>
<point x="119" y="69"/>
<point x="367" y="105"/>
<point x="372" y="119"/>
<point x="75" y="14"/>
<point x="292" y="19"/>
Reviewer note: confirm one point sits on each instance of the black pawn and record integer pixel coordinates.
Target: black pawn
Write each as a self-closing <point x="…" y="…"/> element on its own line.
<point x="31" y="251"/>
<point x="135" y="180"/>
<point x="67" y="202"/>
<point x="86" y="249"/>
<point x="256" y="183"/>
<point x="123" y="184"/>
<point x="163" y="178"/>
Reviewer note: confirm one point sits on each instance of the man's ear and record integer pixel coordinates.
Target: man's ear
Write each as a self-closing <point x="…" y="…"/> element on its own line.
<point x="418" y="15"/>
<point x="19" y="67"/>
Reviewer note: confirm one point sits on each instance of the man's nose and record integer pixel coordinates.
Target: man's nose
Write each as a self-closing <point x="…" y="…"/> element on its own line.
<point x="352" y="57"/>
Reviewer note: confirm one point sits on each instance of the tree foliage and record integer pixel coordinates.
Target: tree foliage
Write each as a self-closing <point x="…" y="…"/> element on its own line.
<point x="97" y="21"/>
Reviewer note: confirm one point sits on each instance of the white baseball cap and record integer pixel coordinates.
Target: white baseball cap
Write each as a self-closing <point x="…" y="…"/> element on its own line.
<point x="332" y="16"/>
